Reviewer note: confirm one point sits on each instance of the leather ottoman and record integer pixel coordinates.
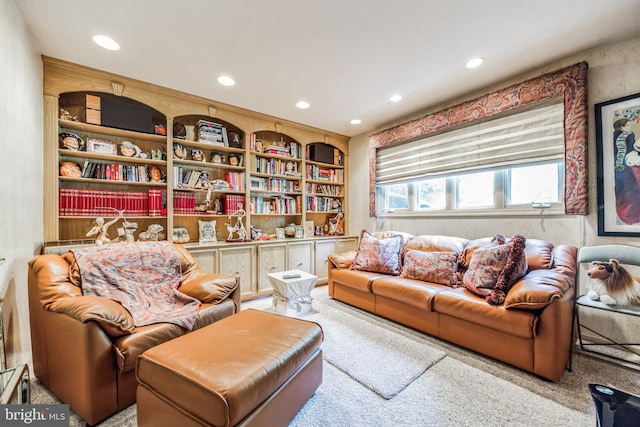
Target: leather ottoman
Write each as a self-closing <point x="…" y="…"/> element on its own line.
<point x="251" y="369"/>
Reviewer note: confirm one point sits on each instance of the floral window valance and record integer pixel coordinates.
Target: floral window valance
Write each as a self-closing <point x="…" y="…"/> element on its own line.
<point x="570" y="83"/>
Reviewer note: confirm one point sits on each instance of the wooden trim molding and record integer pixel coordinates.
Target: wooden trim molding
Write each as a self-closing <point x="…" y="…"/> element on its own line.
<point x="569" y="83"/>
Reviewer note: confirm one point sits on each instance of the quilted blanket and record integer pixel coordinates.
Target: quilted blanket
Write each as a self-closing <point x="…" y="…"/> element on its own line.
<point x="142" y="276"/>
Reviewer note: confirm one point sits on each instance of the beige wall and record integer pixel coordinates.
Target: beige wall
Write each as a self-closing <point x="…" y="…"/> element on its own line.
<point x="20" y="173"/>
<point x="614" y="71"/>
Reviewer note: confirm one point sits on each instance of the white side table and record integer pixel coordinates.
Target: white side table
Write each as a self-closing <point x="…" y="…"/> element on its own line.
<point x="292" y="292"/>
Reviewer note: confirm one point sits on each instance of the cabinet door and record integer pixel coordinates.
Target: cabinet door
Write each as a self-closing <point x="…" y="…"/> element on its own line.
<point x="324" y="248"/>
<point x="206" y="260"/>
<point x="300" y="256"/>
<point x="271" y="259"/>
<point x="239" y="262"/>
<point x="345" y="245"/>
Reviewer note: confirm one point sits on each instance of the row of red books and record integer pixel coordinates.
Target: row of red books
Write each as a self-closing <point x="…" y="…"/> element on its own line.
<point x="81" y="202"/>
<point x="184" y="202"/>
<point x="233" y="202"/>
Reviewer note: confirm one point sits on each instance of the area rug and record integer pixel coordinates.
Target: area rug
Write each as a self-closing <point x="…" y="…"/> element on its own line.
<point x="378" y="358"/>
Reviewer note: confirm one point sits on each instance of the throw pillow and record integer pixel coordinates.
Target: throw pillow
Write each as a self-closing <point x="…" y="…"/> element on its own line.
<point x="433" y="267"/>
<point x="495" y="268"/>
<point x="379" y="256"/>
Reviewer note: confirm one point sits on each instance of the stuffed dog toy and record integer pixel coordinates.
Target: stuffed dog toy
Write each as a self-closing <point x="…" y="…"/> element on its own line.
<point x="613" y="285"/>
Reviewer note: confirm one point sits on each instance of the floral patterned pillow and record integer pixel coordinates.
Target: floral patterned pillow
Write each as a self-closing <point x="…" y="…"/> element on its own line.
<point x="433" y="267"/>
<point x="379" y="256"/>
<point x="495" y="268"/>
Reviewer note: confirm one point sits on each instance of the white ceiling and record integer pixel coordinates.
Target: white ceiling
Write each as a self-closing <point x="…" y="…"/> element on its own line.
<point x="345" y="57"/>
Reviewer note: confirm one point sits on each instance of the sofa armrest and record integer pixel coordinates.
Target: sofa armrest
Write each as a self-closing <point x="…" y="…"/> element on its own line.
<point x="342" y="260"/>
<point x="541" y="287"/>
<point x="209" y="287"/>
<point x="111" y="315"/>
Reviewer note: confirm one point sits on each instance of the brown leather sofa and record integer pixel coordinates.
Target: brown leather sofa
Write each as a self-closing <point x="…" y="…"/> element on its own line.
<point x="532" y="330"/>
<point x="85" y="347"/>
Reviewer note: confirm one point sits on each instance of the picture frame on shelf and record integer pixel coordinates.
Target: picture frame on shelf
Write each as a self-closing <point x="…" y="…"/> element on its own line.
<point x="618" y="166"/>
<point x="101" y="146"/>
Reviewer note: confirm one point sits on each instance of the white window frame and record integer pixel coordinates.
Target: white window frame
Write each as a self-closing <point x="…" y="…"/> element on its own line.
<point x="500" y="207"/>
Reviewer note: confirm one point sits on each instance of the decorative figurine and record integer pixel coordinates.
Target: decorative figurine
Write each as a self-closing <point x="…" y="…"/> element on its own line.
<point x="179" y="152"/>
<point x="160" y="129"/>
<point x="217" y="158"/>
<point x="155" y="174"/>
<point x="152" y="234"/>
<point x="129" y="149"/>
<point x="238" y="227"/>
<point x="70" y="169"/>
<point x="157" y="154"/>
<point x="101" y="229"/>
<point x="197" y="155"/>
<point x="179" y="131"/>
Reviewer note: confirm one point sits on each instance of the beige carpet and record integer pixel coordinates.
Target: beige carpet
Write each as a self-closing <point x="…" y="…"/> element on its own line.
<point x="378" y="358"/>
<point x="461" y="389"/>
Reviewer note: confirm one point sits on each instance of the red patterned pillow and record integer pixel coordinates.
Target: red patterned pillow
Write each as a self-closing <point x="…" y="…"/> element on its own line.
<point x="433" y="267"/>
<point x="495" y="268"/>
<point x="379" y="256"/>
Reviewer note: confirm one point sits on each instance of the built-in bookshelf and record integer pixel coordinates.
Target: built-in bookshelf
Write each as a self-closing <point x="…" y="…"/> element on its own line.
<point x="173" y="159"/>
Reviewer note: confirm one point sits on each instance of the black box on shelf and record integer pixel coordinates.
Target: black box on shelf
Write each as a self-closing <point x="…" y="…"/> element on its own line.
<point x="122" y="113"/>
<point x="323" y="153"/>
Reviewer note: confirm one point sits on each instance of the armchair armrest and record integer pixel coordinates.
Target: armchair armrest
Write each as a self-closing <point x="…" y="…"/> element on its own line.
<point x="342" y="260"/>
<point x="112" y="316"/>
<point x="541" y="287"/>
<point x="209" y="287"/>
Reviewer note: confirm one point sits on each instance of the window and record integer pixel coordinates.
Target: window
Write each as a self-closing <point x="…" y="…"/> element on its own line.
<point x="510" y="190"/>
<point x="512" y="163"/>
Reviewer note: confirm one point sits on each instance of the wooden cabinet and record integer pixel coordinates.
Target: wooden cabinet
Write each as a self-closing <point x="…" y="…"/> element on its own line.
<point x="207" y="259"/>
<point x="300" y="256"/>
<point x="271" y="259"/>
<point x="324" y="248"/>
<point x="254" y="261"/>
<point x="276" y="168"/>
<point x="346" y="244"/>
<point x="239" y="261"/>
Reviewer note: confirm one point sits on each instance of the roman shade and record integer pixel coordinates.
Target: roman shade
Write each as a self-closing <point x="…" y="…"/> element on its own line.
<point x="534" y="135"/>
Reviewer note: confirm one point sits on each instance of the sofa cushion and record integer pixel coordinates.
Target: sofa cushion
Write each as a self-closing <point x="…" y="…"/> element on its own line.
<point x="435" y="267"/>
<point x="416" y="293"/>
<point x="494" y="268"/>
<point x="539" y="254"/>
<point x="435" y="243"/>
<point x="360" y="280"/>
<point x="129" y="347"/>
<point x="378" y="255"/>
<point x="463" y="304"/>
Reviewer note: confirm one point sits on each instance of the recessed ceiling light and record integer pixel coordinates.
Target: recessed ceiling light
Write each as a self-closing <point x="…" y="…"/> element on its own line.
<point x="395" y="98"/>
<point x="474" y="62"/>
<point x="302" y="104"/>
<point x="356" y="121"/>
<point x="106" y="42"/>
<point x="226" y="81"/>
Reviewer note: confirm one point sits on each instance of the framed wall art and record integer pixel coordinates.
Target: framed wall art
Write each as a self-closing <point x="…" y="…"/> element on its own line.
<point x="618" y="166"/>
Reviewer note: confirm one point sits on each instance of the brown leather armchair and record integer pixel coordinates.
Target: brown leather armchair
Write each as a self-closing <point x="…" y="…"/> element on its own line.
<point x="85" y="347"/>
